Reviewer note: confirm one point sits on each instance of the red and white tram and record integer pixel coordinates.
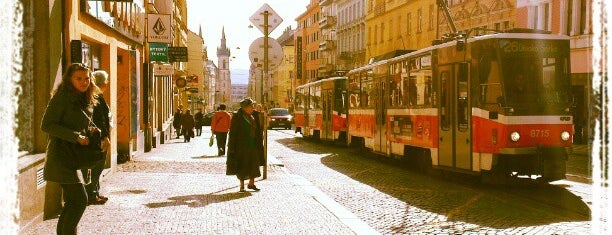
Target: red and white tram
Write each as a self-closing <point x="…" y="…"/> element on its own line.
<point x="321" y="109"/>
<point x="495" y="105"/>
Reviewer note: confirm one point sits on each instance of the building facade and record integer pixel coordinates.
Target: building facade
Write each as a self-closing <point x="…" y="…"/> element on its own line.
<point x="102" y="35"/>
<point x="308" y="39"/>
<point x="239" y="92"/>
<point x="350" y="32"/>
<point x="329" y="43"/>
<point x="195" y="70"/>
<point x="282" y="85"/>
<point x="211" y="80"/>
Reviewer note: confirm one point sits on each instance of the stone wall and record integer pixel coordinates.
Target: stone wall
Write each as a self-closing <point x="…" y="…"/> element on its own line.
<point x="10" y="60"/>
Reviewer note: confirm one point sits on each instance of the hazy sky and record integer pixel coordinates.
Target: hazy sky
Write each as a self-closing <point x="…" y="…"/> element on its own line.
<point x="234" y="15"/>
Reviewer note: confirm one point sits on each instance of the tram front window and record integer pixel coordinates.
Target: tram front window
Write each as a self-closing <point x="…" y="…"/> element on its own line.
<point x="535" y="84"/>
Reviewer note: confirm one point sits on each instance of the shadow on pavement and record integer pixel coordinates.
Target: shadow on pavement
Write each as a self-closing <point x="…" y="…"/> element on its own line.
<point x="131" y="191"/>
<point x="302" y="145"/>
<point x="198" y="200"/>
<point x="206" y="156"/>
<point x="476" y="204"/>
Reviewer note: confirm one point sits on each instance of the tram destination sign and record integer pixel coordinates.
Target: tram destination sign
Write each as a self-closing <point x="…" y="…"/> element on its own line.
<point x="527" y="47"/>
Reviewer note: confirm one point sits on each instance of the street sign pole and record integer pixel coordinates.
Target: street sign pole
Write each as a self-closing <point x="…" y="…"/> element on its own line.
<point x="264" y="75"/>
<point x="145" y="89"/>
<point x="265" y="27"/>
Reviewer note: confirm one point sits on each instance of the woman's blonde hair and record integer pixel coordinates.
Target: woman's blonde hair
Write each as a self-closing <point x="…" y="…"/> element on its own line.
<point x="100" y="77"/>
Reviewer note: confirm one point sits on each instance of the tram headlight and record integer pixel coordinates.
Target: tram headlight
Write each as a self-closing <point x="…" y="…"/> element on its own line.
<point x="515" y="136"/>
<point x="565" y="136"/>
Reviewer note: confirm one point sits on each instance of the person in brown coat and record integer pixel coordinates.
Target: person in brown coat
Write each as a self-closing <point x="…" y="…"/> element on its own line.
<point x="187" y="124"/>
<point x="243" y="158"/>
<point x="66" y="121"/>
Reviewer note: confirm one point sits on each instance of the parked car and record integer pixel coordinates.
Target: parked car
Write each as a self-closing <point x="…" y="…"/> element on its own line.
<point x="279" y="117"/>
<point x="207" y="118"/>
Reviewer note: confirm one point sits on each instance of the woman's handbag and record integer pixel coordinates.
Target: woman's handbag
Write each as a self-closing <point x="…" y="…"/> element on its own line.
<point x="89" y="155"/>
<point x="212" y="140"/>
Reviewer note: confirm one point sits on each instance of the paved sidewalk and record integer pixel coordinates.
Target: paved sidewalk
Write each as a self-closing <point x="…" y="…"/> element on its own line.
<point x="181" y="188"/>
<point x="579" y="167"/>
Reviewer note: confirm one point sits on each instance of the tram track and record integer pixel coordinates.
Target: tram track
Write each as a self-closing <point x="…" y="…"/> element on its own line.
<point x="559" y="199"/>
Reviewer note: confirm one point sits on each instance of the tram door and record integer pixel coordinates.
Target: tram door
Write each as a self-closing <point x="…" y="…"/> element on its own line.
<point x="380" y="114"/>
<point x="454" y="148"/>
<point x="326" y="128"/>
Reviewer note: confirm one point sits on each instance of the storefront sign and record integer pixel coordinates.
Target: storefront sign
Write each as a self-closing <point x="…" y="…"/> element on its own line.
<point x="298" y="58"/>
<point x="158" y="52"/>
<point x="177" y="54"/>
<point x="163" y="69"/>
<point x="159" y="28"/>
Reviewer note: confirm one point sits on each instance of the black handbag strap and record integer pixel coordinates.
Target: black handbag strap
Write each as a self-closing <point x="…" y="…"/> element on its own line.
<point x="89" y="118"/>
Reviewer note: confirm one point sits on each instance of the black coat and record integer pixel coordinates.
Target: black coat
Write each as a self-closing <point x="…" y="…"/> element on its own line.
<point x="199" y="118"/>
<point x="101" y="116"/>
<point x="63" y="120"/>
<point x="242" y="158"/>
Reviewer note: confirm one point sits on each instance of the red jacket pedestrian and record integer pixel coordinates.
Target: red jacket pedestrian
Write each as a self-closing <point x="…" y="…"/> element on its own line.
<point x="220" y="126"/>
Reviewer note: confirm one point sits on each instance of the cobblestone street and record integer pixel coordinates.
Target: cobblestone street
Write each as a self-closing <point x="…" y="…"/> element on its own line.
<point x="314" y="188"/>
<point x="394" y="200"/>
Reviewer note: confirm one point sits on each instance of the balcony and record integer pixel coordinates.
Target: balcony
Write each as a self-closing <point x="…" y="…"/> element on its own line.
<point x="325" y="2"/>
<point x="327" y="22"/>
<point x="326" y="45"/>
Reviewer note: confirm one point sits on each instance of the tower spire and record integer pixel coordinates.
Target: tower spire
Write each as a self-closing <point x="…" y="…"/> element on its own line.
<point x="200" y="33"/>
<point x="223" y="50"/>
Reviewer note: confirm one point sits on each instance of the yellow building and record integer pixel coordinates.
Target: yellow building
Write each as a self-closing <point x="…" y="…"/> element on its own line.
<point x="399" y="25"/>
<point x="411" y="25"/>
<point x="480" y="17"/>
<point x="195" y="71"/>
<point x="283" y="77"/>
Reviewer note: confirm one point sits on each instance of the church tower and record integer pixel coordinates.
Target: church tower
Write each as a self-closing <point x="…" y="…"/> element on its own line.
<point x="224" y="83"/>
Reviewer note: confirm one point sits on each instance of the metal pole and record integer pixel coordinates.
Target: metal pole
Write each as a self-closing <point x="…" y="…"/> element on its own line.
<point x="146" y="83"/>
<point x="265" y="73"/>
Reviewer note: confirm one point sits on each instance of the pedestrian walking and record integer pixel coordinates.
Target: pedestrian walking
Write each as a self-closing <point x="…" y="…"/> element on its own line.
<point x="199" y="119"/>
<point x="102" y="119"/>
<point x="176" y="123"/>
<point x="187" y="124"/>
<point x="242" y="157"/>
<point x="220" y="125"/>
<point x="66" y="121"/>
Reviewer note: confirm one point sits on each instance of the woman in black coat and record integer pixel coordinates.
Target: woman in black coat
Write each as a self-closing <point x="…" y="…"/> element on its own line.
<point x="243" y="159"/>
<point x="66" y="120"/>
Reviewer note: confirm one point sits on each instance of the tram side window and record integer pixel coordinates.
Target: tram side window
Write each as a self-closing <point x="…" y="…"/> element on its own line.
<point x="420" y="88"/>
<point x="426" y="88"/>
<point x="445" y="100"/>
<point x="340" y="97"/>
<point x="367" y="90"/>
<point x="299" y="104"/>
<point x="317" y="97"/>
<point x="490" y="90"/>
<point x="311" y="99"/>
<point x="354" y="90"/>
<point x="396" y="97"/>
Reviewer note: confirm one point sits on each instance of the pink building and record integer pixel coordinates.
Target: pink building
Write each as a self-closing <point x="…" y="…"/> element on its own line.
<point x="572" y="18"/>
